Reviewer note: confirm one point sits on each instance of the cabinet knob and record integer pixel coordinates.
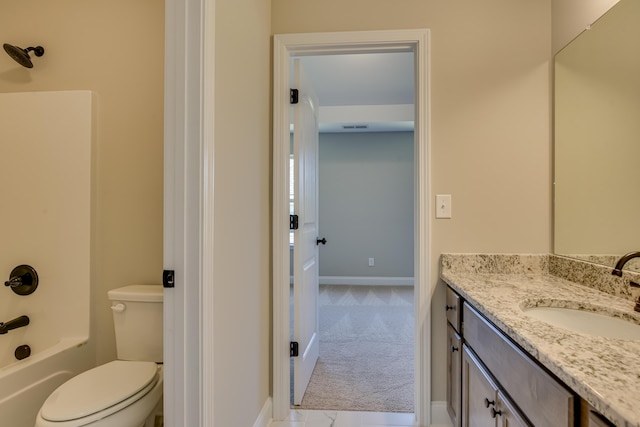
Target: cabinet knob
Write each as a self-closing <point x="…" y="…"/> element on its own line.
<point x="495" y="413"/>
<point x="449" y="307"/>
<point x="488" y="403"/>
<point x="454" y="348"/>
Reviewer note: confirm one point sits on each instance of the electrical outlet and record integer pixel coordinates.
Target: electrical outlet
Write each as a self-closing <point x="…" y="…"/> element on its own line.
<point x="372" y="262"/>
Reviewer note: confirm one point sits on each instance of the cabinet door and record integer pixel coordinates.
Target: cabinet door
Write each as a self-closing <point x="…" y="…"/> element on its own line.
<point x="454" y="350"/>
<point x="479" y="393"/>
<point x="507" y="414"/>
<point x="453" y="309"/>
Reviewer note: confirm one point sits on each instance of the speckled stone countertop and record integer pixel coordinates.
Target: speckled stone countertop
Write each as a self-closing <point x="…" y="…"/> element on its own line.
<point x="603" y="371"/>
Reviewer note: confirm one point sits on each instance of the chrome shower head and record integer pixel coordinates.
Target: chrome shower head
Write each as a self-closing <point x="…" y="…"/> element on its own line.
<point x="21" y="56"/>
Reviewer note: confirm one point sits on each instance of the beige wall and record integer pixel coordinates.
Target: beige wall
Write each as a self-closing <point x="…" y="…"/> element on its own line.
<point x="116" y="50"/>
<point x="490" y="118"/>
<point x="242" y="220"/>
<point x="571" y="17"/>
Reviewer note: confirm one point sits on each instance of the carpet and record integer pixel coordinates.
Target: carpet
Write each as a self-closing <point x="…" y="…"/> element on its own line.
<point x="366" y="350"/>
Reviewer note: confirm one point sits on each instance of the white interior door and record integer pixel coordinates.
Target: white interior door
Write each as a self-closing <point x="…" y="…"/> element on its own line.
<point x="305" y="251"/>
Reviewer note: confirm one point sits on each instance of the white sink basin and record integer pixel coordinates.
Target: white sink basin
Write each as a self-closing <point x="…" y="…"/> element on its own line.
<point x="586" y="322"/>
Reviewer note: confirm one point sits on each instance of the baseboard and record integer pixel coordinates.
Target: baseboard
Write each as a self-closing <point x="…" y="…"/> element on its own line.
<point x="439" y="415"/>
<point x="264" y="418"/>
<point x="366" y="280"/>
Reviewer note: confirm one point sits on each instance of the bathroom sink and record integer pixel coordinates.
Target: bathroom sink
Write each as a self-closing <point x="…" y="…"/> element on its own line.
<point x="586" y="322"/>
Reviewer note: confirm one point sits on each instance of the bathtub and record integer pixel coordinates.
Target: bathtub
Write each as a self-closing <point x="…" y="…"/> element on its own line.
<point x="25" y="384"/>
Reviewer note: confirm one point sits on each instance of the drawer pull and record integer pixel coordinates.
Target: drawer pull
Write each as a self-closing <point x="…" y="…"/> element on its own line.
<point x="449" y="307"/>
<point x="454" y="348"/>
<point x="488" y="402"/>
<point x="495" y="413"/>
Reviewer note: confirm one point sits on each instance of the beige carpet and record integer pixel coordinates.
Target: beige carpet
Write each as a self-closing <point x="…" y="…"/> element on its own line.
<point x="366" y="350"/>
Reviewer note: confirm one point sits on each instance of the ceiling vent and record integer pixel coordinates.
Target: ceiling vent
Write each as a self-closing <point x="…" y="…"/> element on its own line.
<point x="354" y="126"/>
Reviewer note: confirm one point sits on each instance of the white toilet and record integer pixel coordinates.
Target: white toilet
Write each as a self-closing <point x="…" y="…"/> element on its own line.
<point x="126" y="392"/>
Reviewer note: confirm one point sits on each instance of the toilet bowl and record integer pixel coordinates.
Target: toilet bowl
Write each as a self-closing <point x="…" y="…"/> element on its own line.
<point x="126" y="392"/>
<point x="116" y="394"/>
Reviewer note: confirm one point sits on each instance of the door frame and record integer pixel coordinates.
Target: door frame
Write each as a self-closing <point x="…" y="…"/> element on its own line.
<point x="188" y="212"/>
<point x="284" y="47"/>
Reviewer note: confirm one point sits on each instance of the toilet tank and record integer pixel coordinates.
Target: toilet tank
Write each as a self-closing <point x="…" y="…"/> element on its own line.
<point x="137" y="317"/>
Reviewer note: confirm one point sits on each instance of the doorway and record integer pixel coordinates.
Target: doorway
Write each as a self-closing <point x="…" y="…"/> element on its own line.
<point x="365" y="177"/>
<point x="297" y="45"/>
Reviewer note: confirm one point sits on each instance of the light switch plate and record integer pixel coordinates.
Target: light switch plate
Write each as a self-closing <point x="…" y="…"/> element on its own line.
<point x="443" y="206"/>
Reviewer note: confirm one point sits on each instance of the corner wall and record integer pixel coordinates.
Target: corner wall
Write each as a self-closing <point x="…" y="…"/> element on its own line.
<point x="490" y="120"/>
<point x="242" y="212"/>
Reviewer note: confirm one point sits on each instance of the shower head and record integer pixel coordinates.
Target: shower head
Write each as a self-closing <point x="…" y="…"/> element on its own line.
<point x="21" y="56"/>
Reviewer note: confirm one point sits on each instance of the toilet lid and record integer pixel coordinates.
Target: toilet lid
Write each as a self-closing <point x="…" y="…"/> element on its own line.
<point x="98" y="389"/>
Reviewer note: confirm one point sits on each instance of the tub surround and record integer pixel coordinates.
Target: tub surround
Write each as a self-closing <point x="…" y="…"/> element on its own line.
<point x="602" y="371"/>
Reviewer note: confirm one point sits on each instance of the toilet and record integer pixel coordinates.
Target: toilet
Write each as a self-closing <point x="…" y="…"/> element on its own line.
<point x="126" y="392"/>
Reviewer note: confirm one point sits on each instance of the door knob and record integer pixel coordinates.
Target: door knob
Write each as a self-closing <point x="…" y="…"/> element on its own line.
<point x="323" y="241"/>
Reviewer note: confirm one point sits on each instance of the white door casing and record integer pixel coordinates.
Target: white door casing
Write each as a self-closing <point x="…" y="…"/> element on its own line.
<point x="305" y="249"/>
<point x="287" y="46"/>
<point x="188" y="212"/>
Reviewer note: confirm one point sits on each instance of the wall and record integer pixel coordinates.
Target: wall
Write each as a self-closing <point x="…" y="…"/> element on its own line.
<point x="490" y="114"/>
<point x="114" y="49"/>
<point x="242" y="220"/>
<point x="366" y="203"/>
<point x="571" y="17"/>
<point x="46" y="204"/>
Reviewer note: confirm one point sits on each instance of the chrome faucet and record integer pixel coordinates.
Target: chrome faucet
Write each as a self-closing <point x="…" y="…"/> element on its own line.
<point x="18" y="322"/>
<point x="617" y="271"/>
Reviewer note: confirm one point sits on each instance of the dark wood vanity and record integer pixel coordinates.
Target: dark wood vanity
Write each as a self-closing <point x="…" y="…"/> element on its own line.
<point x="491" y="381"/>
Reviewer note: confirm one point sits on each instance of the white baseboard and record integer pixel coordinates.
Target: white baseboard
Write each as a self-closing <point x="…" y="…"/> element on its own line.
<point x="439" y="415"/>
<point x="363" y="281"/>
<point x="366" y="280"/>
<point x="264" y="418"/>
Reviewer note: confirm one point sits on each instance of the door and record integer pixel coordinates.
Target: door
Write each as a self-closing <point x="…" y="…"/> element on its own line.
<point x="479" y="393"/>
<point x="453" y="375"/>
<point x="508" y="415"/>
<point x="305" y="248"/>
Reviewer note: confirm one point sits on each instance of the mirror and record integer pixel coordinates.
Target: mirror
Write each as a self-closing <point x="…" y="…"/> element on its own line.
<point x="597" y="140"/>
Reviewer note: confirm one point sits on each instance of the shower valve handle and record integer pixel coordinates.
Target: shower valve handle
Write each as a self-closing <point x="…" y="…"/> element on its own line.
<point x="23" y="280"/>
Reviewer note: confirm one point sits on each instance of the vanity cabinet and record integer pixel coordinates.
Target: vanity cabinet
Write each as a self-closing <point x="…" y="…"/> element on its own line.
<point x="454" y="358"/>
<point x="544" y="400"/>
<point x="492" y="382"/>
<point x="484" y="403"/>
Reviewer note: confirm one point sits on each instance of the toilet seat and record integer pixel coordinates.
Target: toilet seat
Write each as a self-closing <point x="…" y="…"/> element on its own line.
<point x="100" y="392"/>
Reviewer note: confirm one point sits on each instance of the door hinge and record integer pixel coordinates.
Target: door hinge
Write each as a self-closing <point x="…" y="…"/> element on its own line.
<point x="293" y="222"/>
<point x="168" y="278"/>
<point x="293" y="96"/>
<point x="293" y="349"/>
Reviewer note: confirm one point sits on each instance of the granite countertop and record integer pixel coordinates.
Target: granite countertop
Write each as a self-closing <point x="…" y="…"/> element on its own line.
<point x="603" y="371"/>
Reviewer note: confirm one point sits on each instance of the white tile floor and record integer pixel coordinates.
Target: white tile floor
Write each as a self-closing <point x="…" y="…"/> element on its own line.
<point x="308" y="418"/>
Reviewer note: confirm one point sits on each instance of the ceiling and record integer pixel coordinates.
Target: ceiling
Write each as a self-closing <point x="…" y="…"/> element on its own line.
<point x="368" y="92"/>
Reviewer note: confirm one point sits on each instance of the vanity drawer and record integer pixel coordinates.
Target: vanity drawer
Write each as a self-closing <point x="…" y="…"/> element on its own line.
<point x="453" y="309"/>
<point x="544" y="400"/>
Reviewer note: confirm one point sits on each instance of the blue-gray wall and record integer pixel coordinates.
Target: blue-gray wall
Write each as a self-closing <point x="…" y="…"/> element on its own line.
<point x="366" y="204"/>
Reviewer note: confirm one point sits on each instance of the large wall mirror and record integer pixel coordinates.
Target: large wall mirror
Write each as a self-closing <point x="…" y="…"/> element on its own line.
<point x="597" y="139"/>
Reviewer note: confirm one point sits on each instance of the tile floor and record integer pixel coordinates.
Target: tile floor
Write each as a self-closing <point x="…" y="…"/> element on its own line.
<point x="309" y="418"/>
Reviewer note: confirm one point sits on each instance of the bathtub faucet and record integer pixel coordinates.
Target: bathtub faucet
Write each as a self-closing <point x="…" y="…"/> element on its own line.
<point x="16" y="323"/>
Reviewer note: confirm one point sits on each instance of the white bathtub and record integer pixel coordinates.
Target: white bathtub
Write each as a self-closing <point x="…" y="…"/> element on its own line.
<point x="25" y="384"/>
